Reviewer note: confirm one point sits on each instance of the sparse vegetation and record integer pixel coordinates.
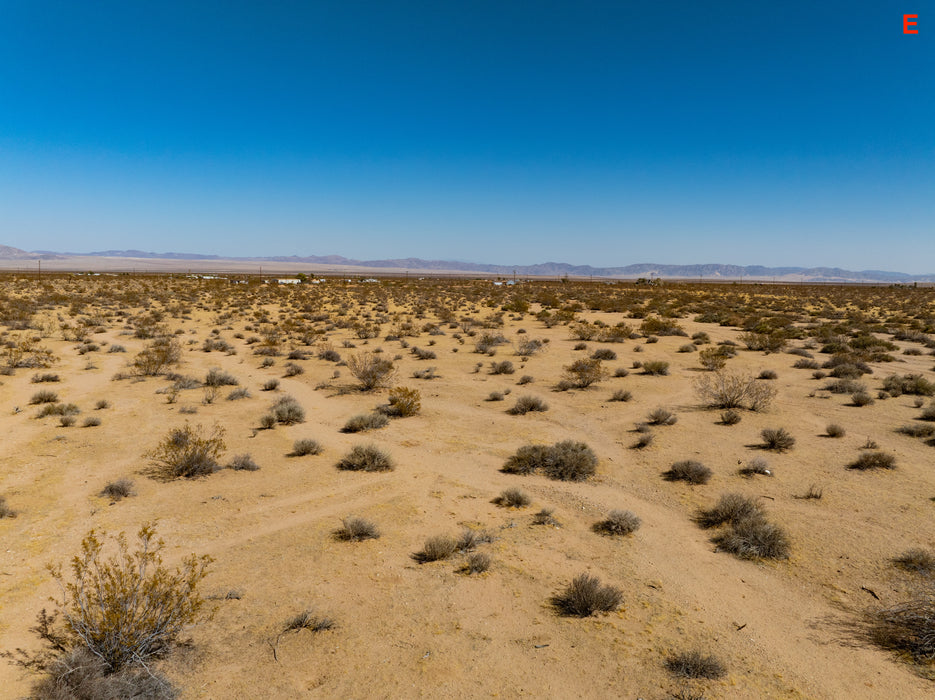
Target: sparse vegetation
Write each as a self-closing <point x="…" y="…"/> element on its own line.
<point x="365" y="421"/>
<point x="586" y="595"/>
<point x="366" y="458"/>
<point x="695" y="664"/>
<point x="527" y="404"/>
<point x="725" y="389"/>
<point x="305" y="446"/>
<point x="513" y="498"/>
<point x="187" y="452"/>
<point x="873" y="460"/>
<point x="690" y="471"/>
<point x="618" y="523"/>
<point x="778" y="439"/>
<point x="565" y="461"/>
<point x="354" y="529"/>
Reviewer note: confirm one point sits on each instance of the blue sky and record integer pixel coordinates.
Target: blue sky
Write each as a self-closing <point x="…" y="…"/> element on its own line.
<point x="604" y="133"/>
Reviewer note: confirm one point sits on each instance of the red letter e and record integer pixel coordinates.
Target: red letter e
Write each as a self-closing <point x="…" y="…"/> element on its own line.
<point x="907" y="23"/>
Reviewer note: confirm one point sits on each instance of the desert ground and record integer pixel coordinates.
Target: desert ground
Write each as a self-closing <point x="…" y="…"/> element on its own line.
<point x="796" y="622"/>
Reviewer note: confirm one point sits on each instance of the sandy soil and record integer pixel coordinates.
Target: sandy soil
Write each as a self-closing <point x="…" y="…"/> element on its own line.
<point x="405" y="629"/>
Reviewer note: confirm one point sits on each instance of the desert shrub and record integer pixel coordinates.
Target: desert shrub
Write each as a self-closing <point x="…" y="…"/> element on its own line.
<point x="5" y="510"/>
<point x="835" y="431"/>
<point x="604" y="354"/>
<point x="814" y="493"/>
<point x="403" y="402"/>
<point x="656" y="367"/>
<point x="66" y="421"/>
<point x="528" y="346"/>
<point x="427" y="373"/>
<point x="909" y="627"/>
<point x="158" y="354"/>
<point x="695" y="664"/>
<point x="57" y="409"/>
<point x="116" y="348"/>
<point x="422" y="354"/>
<point x="505" y="367"/>
<point x="307" y="620"/>
<point x="917" y="430"/>
<point x="476" y="563"/>
<point x="127" y="609"/>
<point x="586" y="595"/>
<point x="217" y="378"/>
<point x="844" y="386"/>
<point x="621" y="395"/>
<point x="80" y="675"/>
<point x="730" y="508"/>
<point x="46" y="377"/>
<point x="565" y="461"/>
<point x="545" y="517"/>
<point x="687" y="347"/>
<point x="914" y="384"/>
<point x="355" y="529"/>
<point x="525" y="379"/>
<point x="329" y="354"/>
<point x="371" y="370"/>
<point x="469" y="539"/>
<point x="806" y="364"/>
<point x="102" y="404"/>
<point x="755" y="466"/>
<point x="919" y="561"/>
<point x="115" y="490"/>
<point x="436" y="549"/>
<point x="270" y="385"/>
<point x="873" y="460"/>
<point x="618" y="523"/>
<point x="305" y="446"/>
<point x="643" y="441"/>
<point x="495" y="396"/>
<point x="754" y="538"/>
<point x="712" y="359"/>
<point x="44" y="396"/>
<point x="730" y="417"/>
<point x="768" y="342"/>
<point x="187" y="452"/>
<point x="91" y="422"/>
<point x="688" y="470"/>
<point x="267" y="422"/>
<point x="768" y="374"/>
<point x="526" y="404"/>
<point x="777" y="439"/>
<point x="861" y="398"/>
<point x="661" y="416"/>
<point x="583" y="373"/>
<point x="288" y="411"/>
<point x="293" y="370"/>
<point x="928" y="413"/>
<point x="724" y="389"/>
<point x="513" y="498"/>
<point x="654" y="325"/>
<point x="367" y="458"/>
<point x="365" y="421"/>
<point x="243" y="463"/>
<point x="621" y="372"/>
<point x="241" y="393"/>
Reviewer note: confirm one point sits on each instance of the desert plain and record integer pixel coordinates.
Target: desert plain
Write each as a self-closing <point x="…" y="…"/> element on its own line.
<point x="795" y="625"/>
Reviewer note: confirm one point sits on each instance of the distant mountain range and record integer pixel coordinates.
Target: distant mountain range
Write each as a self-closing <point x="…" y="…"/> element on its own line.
<point x="548" y="269"/>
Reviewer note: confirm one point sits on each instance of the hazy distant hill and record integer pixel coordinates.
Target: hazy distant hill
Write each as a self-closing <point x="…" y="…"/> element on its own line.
<point x="549" y="269"/>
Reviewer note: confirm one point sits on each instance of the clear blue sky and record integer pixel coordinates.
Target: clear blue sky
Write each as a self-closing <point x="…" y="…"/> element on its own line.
<point x="604" y="133"/>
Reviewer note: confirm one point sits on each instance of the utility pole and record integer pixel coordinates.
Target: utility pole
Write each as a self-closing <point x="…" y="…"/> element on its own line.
<point x="40" y="267"/>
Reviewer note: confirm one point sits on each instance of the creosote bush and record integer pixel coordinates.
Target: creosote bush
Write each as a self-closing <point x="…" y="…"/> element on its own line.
<point x="404" y="402"/>
<point x="124" y="610"/>
<point x="581" y="374"/>
<point x="371" y="370"/>
<point x="873" y="460"/>
<point x="366" y="458"/>
<point x="725" y="389"/>
<point x="656" y="368"/>
<point x="618" y="523"/>
<point x="187" y="452"/>
<point x="690" y="471"/>
<point x="586" y="595"/>
<point x="565" y="461"/>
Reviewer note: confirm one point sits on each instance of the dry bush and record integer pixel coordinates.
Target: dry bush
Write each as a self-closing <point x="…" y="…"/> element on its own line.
<point x="724" y="389"/>
<point x="695" y="664"/>
<point x="270" y="385"/>
<point x="404" y="402"/>
<point x="730" y="508"/>
<point x="236" y="394"/>
<point x="618" y="523"/>
<point x="288" y="411"/>
<point x="44" y="396"/>
<point x="835" y="431"/>
<point x="565" y="461"/>
<point x="873" y="460"/>
<point x="305" y="446"/>
<point x="909" y="627"/>
<point x="527" y="404"/>
<point x="545" y="517"/>
<point x="768" y="374"/>
<point x="124" y="610"/>
<point x="243" y="463"/>
<point x="505" y="367"/>
<point x="730" y="417"/>
<point x="919" y="561"/>
<point x="712" y="359"/>
<point x="661" y="416"/>
<point x="355" y="529"/>
<point x="187" y="452"/>
<point x="371" y="370"/>
<point x="777" y="439"/>
<point x="754" y="538"/>
<point x="5" y="510"/>
<point x="916" y="384"/>
<point x="861" y="398"/>
<point x="656" y="368"/>
<point x="307" y="620"/>
<point x="366" y="458"/>
<point x="217" y="378"/>
<point x="46" y="377"/>
<point x="621" y="395"/>
<point x="513" y="498"/>
<point x="115" y="490"/>
<point x="365" y="421"/>
<point x="80" y="675"/>
<point x="91" y="422"/>
<point x="755" y="466"/>
<point x="917" y="430"/>
<point x="688" y="470"/>
<point x="436" y="549"/>
<point x="586" y="595"/>
<point x="476" y="563"/>
<point x="583" y="373"/>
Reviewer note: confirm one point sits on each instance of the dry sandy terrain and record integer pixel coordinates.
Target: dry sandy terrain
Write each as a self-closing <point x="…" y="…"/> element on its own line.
<point x="783" y="628"/>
